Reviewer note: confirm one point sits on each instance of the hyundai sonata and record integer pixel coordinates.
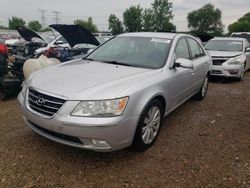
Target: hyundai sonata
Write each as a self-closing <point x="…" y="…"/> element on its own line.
<point x="118" y="95"/>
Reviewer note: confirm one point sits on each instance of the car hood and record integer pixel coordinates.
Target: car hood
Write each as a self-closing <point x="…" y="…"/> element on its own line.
<point x="83" y="80"/>
<point x="75" y="34"/>
<point x="224" y="54"/>
<point x="28" y="34"/>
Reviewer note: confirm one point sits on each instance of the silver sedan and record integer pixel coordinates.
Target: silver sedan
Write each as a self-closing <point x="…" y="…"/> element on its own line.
<point x="118" y="95"/>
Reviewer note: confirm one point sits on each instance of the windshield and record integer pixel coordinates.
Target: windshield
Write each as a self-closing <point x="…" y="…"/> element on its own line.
<point x="134" y="51"/>
<point x="246" y="36"/>
<point x="224" y="45"/>
<point x="49" y="36"/>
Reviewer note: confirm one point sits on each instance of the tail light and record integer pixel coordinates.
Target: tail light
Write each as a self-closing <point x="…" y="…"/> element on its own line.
<point x="3" y="49"/>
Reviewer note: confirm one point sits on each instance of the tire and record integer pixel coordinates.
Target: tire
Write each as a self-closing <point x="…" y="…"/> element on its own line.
<point x="147" y="131"/>
<point x="203" y="90"/>
<point x="242" y="74"/>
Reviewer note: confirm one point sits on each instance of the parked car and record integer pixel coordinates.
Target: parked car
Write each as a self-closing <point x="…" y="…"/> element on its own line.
<point x="118" y="95"/>
<point x="231" y="56"/>
<point x="245" y="35"/>
<point x="3" y="58"/>
<point x="79" y="39"/>
<point x="34" y="44"/>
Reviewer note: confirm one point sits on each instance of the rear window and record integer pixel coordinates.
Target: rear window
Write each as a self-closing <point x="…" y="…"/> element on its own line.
<point x="243" y="35"/>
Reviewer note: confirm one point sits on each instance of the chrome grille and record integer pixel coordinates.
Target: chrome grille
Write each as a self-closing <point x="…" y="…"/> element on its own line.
<point x="216" y="72"/>
<point x="44" y="104"/>
<point x="218" y="61"/>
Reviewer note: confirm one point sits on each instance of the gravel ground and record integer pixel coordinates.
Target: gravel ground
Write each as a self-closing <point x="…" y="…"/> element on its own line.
<point x="201" y="144"/>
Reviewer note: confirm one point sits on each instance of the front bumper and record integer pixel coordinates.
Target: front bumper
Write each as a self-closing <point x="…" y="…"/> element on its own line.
<point x="227" y="70"/>
<point x="117" y="132"/>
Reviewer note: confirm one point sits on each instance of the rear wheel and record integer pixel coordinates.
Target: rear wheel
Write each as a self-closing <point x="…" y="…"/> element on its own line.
<point x="203" y="91"/>
<point x="148" y="126"/>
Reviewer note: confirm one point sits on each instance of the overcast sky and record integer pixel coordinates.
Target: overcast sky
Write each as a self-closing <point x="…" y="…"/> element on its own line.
<point x="101" y="9"/>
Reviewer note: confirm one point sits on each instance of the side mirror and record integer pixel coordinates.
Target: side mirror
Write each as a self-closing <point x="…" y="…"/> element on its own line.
<point x="59" y="42"/>
<point x="90" y="50"/>
<point x="247" y="49"/>
<point x="184" y="63"/>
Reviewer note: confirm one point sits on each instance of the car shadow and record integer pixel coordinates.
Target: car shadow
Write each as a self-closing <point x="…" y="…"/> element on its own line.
<point x="224" y="80"/>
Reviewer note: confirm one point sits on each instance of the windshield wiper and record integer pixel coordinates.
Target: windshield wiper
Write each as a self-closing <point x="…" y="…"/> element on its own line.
<point x="89" y="59"/>
<point x="119" y="63"/>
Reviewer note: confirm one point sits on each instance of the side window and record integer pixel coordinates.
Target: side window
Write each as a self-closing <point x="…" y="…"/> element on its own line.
<point x="247" y="44"/>
<point x="195" y="49"/>
<point x="181" y="50"/>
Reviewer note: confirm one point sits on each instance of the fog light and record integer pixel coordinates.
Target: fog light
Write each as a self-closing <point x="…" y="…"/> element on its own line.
<point x="100" y="143"/>
<point x="233" y="72"/>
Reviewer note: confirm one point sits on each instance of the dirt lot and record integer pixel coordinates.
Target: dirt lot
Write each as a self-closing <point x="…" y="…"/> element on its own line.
<point x="201" y="144"/>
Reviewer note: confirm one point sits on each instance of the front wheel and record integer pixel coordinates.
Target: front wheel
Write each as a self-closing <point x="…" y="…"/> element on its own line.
<point x="242" y="73"/>
<point x="148" y="126"/>
<point x="203" y="90"/>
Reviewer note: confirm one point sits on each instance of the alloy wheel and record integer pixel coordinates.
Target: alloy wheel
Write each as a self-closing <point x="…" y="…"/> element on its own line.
<point x="151" y="126"/>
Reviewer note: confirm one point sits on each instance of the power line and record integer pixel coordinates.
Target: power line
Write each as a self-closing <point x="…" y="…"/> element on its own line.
<point x="42" y="16"/>
<point x="56" y="16"/>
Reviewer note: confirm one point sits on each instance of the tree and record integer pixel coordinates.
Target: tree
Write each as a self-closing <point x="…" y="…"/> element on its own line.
<point x="115" y="25"/>
<point x="14" y="22"/>
<point x="148" y="20"/>
<point x="206" y="20"/>
<point x="35" y="25"/>
<point x="87" y="24"/>
<point x="245" y="18"/>
<point x="162" y="14"/>
<point x="132" y="18"/>
<point x="243" y="24"/>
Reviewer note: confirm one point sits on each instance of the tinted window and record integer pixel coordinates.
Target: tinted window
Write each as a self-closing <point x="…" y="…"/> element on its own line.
<point x="134" y="51"/>
<point x="243" y="35"/>
<point x="195" y="48"/>
<point x="181" y="50"/>
<point x="224" y="45"/>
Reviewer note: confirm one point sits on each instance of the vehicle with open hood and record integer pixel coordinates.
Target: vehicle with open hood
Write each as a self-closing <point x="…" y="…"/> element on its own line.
<point x="118" y="95"/>
<point x="79" y="38"/>
<point x="231" y="56"/>
<point x="33" y="44"/>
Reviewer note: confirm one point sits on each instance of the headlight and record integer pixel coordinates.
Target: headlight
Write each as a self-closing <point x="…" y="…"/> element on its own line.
<point x="105" y="108"/>
<point x="236" y="61"/>
<point x="24" y="88"/>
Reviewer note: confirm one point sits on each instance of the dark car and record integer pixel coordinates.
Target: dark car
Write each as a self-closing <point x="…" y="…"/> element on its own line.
<point x="245" y="35"/>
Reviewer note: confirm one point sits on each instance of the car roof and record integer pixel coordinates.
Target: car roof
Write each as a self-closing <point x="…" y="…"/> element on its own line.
<point x="150" y="34"/>
<point x="228" y="38"/>
<point x="241" y="33"/>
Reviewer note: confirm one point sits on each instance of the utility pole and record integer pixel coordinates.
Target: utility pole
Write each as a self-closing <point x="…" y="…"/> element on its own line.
<point x="42" y="16"/>
<point x="56" y="16"/>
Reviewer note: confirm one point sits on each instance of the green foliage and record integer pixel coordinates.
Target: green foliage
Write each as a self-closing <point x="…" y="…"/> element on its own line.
<point x="148" y="20"/>
<point x="14" y="22"/>
<point x="87" y="24"/>
<point x="35" y="25"/>
<point x="162" y="15"/>
<point x="115" y="25"/>
<point x="3" y="27"/>
<point x="245" y="18"/>
<point x="45" y="29"/>
<point x="132" y="18"/>
<point x="206" y="20"/>
<point x="242" y="25"/>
